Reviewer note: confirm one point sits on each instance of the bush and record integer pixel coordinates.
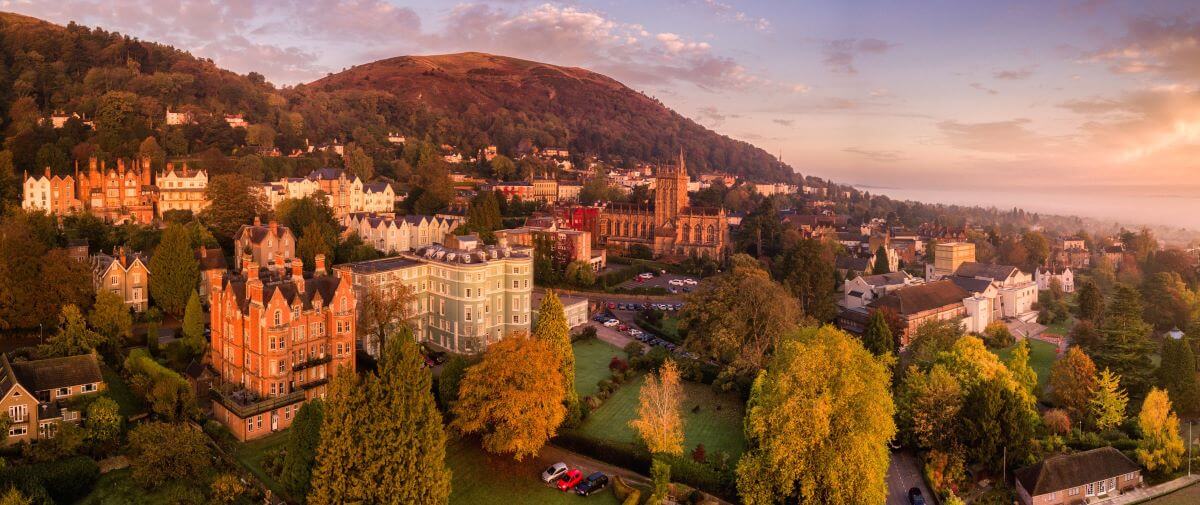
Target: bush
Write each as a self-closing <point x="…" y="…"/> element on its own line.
<point x="634" y="349"/>
<point x="617" y="364"/>
<point x="699" y="455"/>
<point x="69" y="480"/>
<point x="1057" y="421"/>
<point x="996" y="335"/>
<point x="703" y="476"/>
<point x="633" y="499"/>
<point x="587" y="333"/>
<point x="621" y="489"/>
<point x="220" y="434"/>
<point x="654" y="359"/>
<point x="28" y="480"/>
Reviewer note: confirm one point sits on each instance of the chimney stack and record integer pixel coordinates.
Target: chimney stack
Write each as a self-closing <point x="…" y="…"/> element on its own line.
<point x="203" y="252"/>
<point x="298" y="274"/>
<point x="251" y="271"/>
<point x="319" y="261"/>
<point x="279" y="264"/>
<point x="257" y="221"/>
<point x="274" y="226"/>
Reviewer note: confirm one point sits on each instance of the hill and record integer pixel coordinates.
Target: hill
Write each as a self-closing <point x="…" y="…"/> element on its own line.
<point x="475" y="99"/>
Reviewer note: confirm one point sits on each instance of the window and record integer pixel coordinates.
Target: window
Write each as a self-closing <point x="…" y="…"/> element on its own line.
<point x="17" y="413"/>
<point x="278" y="318"/>
<point x="64" y="391"/>
<point x="1091" y="489"/>
<point x="249" y="425"/>
<point x="1073" y="491"/>
<point x="17" y="431"/>
<point x="114" y="280"/>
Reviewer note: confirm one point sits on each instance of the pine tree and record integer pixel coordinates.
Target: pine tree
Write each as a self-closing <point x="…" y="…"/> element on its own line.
<point x="340" y="461"/>
<point x="303" y="439"/>
<point x="1125" y="347"/>
<point x="882" y="266"/>
<point x="1018" y="365"/>
<point x="174" y="269"/>
<point x="552" y="328"/>
<point x="193" y="325"/>
<point x="877" y="337"/>
<point x="1091" y="302"/>
<point x="1177" y="374"/>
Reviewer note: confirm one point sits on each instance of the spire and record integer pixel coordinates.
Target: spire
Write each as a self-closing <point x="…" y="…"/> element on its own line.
<point x="682" y="163"/>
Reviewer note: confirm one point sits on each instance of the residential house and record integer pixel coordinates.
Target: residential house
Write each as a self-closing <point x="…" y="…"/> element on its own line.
<point x="1081" y="477"/>
<point x="395" y="234"/>
<point x="376" y="197"/>
<point x="236" y="121"/>
<point x="212" y="266"/>
<point x="1044" y="276"/>
<point x="277" y="340"/>
<point x="35" y="393"/>
<point x="51" y="194"/>
<point x="263" y="244"/>
<point x="862" y="290"/>
<point x="124" y="273"/>
<point x="575" y="308"/>
<point x="182" y="189"/>
<point x="936" y="301"/>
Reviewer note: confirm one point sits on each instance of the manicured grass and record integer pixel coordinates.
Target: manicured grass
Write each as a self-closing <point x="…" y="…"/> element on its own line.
<point x="129" y="404"/>
<point x="717" y="424"/>
<point x="1062" y="328"/>
<point x="1041" y="357"/>
<point x="481" y="478"/>
<point x="251" y="455"/>
<point x="1186" y="496"/>
<point x="591" y="364"/>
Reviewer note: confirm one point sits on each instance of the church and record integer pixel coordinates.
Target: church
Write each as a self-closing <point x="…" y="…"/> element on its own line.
<point x="670" y="227"/>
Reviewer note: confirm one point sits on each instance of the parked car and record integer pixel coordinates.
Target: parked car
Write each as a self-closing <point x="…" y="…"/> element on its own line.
<point x="691" y="282"/>
<point x="593" y="483"/>
<point x="569" y="479"/>
<point x="675" y="282"/>
<point x="553" y="472"/>
<point x="611" y="322"/>
<point x="915" y="497"/>
<point x="622" y="327"/>
<point x="611" y="305"/>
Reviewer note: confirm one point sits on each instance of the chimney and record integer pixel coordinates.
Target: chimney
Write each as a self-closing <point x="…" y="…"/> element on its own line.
<point x="251" y="270"/>
<point x="47" y="172"/>
<point x="245" y="263"/>
<point x="298" y="274"/>
<point x="274" y="226"/>
<point x="279" y="263"/>
<point x="257" y="221"/>
<point x="203" y="252"/>
<point x="254" y="286"/>
<point x="319" y="269"/>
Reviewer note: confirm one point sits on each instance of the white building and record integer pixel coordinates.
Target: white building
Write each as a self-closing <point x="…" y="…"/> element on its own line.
<point x="392" y="234"/>
<point x="236" y="121"/>
<point x="862" y="290"/>
<point x="998" y="292"/>
<point x="574" y="307"/>
<point x="182" y="189"/>
<point x="1066" y="278"/>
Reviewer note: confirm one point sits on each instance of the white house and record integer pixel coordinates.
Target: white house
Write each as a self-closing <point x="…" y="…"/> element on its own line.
<point x="998" y="291"/>
<point x="1066" y="278"/>
<point x="862" y="290"/>
<point x="391" y="234"/>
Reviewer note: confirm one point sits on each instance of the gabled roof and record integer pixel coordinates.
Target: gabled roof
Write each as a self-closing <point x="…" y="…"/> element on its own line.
<point x="971" y="284"/>
<point x="53" y="373"/>
<point x="210" y="259"/>
<point x="1072" y="470"/>
<point x="922" y="297"/>
<point x="985" y="270"/>
<point x="376" y="187"/>
<point x="256" y="233"/>
<point x="888" y="279"/>
<point x="853" y="264"/>
<point x="322" y="287"/>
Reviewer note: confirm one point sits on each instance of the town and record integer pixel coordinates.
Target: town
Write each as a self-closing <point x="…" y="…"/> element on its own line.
<point x="216" y="291"/>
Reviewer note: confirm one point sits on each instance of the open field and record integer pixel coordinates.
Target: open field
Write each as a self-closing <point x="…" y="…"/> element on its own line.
<point x="484" y="479"/>
<point x="717" y="423"/>
<point x="1041" y="357"/>
<point x="591" y="364"/>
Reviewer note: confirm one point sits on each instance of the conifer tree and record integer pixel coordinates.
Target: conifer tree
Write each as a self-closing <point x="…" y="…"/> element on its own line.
<point x="1177" y="374"/>
<point x="877" y="337"/>
<point x="1125" y="346"/>
<point x="340" y="459"/>
<point x="303" y="440"/>
<point x="1018" y="365"/>
<point x="882" y="265"/>
<point x="193" y="325"/>
<point x="1090" y="301"/>
<point x="174" y="269"/>
<point x="552" y="328"/>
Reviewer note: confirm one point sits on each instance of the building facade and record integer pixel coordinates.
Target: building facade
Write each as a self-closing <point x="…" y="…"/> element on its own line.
<point x="182" y="189"/>
<point x="117" y="194"/>
<point x="35" y="394"/>
<point x="670" y="227"/>
<point x="947" y="256"/>
<point x="263" y="245"/>
<point x="51" y="194"/>
<point x="916" y="305"/>
<point x="1045" y="276"/>
<point x="277" y="339"/>
<point x="124" y="273"/>
<point x="1082" y="477"/>
<point x="395" y="234"/>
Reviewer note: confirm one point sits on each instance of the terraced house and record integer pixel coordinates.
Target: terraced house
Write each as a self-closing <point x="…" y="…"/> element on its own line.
<point x="396" y="234"/>
<point x="34" y="393"/>
<point x="277" y="339"/>
<point x="464" y="295"/>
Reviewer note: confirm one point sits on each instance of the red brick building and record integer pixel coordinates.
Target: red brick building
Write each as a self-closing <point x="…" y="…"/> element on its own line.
<point x="277" y="339"/>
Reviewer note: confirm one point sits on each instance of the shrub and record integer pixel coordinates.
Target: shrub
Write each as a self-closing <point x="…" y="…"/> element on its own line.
<point x="621" y="489"/>
<point x="1057" y="421"/>
<point x="699" y="455"/>
<point x="996" y="335"/>
<point x="587" y="333"/>
<point x="655" y="358"/>
<point x="220" y="434"/>
<point x="633" y="499"/>
<point x="617" y="364"/>
<point x="634" y="349"/>
<point x="69" y="480"/>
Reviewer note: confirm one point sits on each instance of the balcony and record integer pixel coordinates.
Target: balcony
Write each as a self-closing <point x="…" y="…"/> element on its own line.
<point x="244" y="404"/>
<point x="312" y="362"/>
<point x="312" y="384"/>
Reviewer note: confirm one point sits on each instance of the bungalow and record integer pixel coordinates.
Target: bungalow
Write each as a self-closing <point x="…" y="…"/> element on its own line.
<point x="1081" y="477"/>
<point x="32" y="393"/>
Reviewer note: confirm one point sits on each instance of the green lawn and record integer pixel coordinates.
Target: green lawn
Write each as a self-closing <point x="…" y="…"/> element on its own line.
<point x="591" y="364"/>
<point x="480" y="478"/>
<point x="717" y="424"/>
<point x="128" y="402"/>
<point x="1041" y="357"/>
<point x="1186" y="496"/>
<point x="251" y="455"/>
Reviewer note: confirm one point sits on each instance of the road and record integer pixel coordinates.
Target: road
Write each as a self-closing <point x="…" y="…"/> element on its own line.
<point x="904" y="473"/>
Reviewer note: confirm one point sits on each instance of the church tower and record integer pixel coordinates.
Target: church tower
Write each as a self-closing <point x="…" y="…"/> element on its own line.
<point x="670" y="192"/>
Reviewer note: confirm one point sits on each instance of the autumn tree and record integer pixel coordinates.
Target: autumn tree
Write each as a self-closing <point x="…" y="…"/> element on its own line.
<point x="73" y="336"/>
<point x="1018" y="366"/>
<point x="552" y="328"/>
<point x="806" y="270"/>
<point x="660" y="420"/>
<point x="1177" y="374"/>
<point x="176" y="273"/>
<point x="161" y="452"/>
<point x="38" y="280"/>
<point x="359" y="163"/>
<point x="1161" y="448"/>
<point x="931" y="338"/>
<point x="234" y="203"/>
<point x="303" y="439"/>
<point x="514" y="397"/>
<point x="1090" y="302"/>
<point x="1108" y="401"/>
<point x="110" y="317"/>
<point x="1072" y="381"/>
<point x="928" y="403"/>
<point x="737" y="317"/>
<point x="384" y="311"/>
<point x="877" y="337"/>
<point x="1169" y="301"/>
<point x="818" y="423"/>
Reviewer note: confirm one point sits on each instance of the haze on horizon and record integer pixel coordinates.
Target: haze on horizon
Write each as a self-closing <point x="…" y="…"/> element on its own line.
<point x="1087" y="107"/>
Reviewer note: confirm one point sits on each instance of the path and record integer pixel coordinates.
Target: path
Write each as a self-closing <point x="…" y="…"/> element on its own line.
<point x="1142" y="494"/>
<point x="552" y="453"/>
<point x="611" y="335"/>
<point x="904" y="473"/>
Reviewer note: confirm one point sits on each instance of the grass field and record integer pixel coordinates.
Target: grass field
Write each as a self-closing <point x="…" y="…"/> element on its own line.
<point x="1041" y="357"/>
<point x="717" y="424"/>
<point x="251" y="455"/>
<point x="480" y="478"/>
<point x="1187" y="496"/>
<point x="591" y="364"/>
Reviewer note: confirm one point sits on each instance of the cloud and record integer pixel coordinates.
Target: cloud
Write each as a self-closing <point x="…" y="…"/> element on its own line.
<point x="712" y="117"/>
<point x="784" y="122"/>
<point x="840" y="54"/>
<point x="1167" y="47"/>
<point x="885" y="156"/>
<point x="726" y="11"/>
<point x="1160" y="126"/>
<point x="983" y="88"/>
<point x="1014" y="74"/>
<point x="1012" y="136"/>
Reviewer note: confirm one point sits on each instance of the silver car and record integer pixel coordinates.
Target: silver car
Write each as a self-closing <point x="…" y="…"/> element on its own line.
<point x="553" y="472"/>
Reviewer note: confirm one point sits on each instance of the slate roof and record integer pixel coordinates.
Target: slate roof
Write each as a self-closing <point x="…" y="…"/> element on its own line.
<point x="853" y="264"/>
<point x="53" y="373"/>
<point x="1072" y="470"/>
<point x="122" y="257"/>
<point x="325" y="286"/>
<point x="379" y="265"/>
<point x="971" y="284"/>
<point x="325" y="174"/>
<point x="259" y="232"/>
<point x="375" y="187"/>
<point x="919" y="298"/>
<point x="888" y="279"/>
<point x="985" y="270"/>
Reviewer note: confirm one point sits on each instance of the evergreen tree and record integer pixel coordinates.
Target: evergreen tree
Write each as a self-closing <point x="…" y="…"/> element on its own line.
<point x="1018" y="365"/>
<point x="303" y="439"/>
<point x="552" y="328"/>
<point x="340" y="461"/>
<point x="1090" y="301"/>
<point x="110" y="317"/>
<point x="1177" y="374"/>
<point x="996" y="421"/>
<point x="806" y="270"/>
<point x="1125" y="346"/>
<point x="877" y="337"/>
<point x="174" y="269"/>
<point x="881" y="262"/>
<point x="193" y="325"/>
<point x="73" y="336"/>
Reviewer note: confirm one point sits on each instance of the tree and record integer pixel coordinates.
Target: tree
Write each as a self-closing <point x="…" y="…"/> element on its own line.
<point x="806" y="269"/>
<point x="997" y="335"/>
<point x="1177" y="374"/>
<point x="818" y="423"/>
<point x="503" y="167"/>
<point x="1169" y="301"/>
<point x="176" y="273"/>
<point x="552" y="328"/>
<point x="384" y="311"/>
<point x="73" y="336"/>
<point x="483" y="213"/>
<point x="227" y="488"/>
<point x="1161" y="448"/>
<point x="1018" y="366"/>
<point x="877" y="337"/>
<point x="996" y="420"/>
<point x="659" y="421"/>
<point x="161" y="452"/>
<point x="315" y="239"/>
<point x="110" y="317"/>
<point x="150" y="149"/>
<point x="340" y="462"/>
<point x="1037" y="247"/>
<point x="881" y="261"/>
<point x="193" y="325"/>
<point x="1125" y="347"/>
<point x="932" y="338"/>
<point x="451" y="377"/>
<point x="1086" y="336"/>
<point x="103" y="422"/>
<point x="303" y="439"/>
<point x="1072" y="381"/>
<point x="1108" y="401"/>
<point x="358" y="163"/>
<point x="737" y="317"/>
<point x="579" y="273"/>
<point x="234" y="204"/>
<point x="14" y="497"/>
<point x="929" y="403"/>
<point x="514" y="397"/>
<point x="660" y="476"/>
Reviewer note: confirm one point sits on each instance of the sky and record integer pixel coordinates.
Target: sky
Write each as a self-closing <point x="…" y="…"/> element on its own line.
<point x="1089" y="107"/>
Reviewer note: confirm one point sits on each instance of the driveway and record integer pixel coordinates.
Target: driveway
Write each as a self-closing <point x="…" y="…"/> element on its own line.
<point x="611" y="335"/>
<point x="904" y="473"/>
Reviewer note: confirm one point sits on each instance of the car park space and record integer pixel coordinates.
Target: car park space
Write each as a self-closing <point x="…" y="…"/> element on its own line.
<point x="673" y="283"/>
<point x="622" y="316"/>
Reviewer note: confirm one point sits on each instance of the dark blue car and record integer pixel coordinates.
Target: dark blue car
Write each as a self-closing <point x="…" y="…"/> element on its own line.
<point x="591" y="484"/>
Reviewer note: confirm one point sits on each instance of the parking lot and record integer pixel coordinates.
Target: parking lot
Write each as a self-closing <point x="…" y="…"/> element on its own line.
<point x="620" y="318"/>
<point x="683" y="283"/>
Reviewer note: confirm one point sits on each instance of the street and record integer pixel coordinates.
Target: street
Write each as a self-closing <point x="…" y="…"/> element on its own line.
<point x="904" y="473"/>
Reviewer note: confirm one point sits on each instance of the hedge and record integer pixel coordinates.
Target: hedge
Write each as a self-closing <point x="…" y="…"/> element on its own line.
<point x="64" y="481"/>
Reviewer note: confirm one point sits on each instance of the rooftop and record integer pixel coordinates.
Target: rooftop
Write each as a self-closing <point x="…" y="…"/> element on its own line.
<point x="1072" y="470"/>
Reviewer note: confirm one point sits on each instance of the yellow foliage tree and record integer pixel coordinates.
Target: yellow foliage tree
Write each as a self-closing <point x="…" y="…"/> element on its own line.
<point x="659" y="421"/>
<point x="1161" y="448"/>
<point x="514" y="397"/>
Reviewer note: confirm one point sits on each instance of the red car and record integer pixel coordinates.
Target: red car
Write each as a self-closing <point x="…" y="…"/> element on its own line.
<point x="569" y="479"/>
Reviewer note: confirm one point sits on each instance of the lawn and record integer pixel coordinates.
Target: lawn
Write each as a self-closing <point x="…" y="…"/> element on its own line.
<point x="251" y="455"/>
<point x="1041" y="357"/>
<point x="129" y="404"/>
<point x="480" y="478"/>
<point x="1186" y="496"/>
<point x="591" y="364"/>
<point x="717" y="423"/>
<point x="118" y="488"/>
